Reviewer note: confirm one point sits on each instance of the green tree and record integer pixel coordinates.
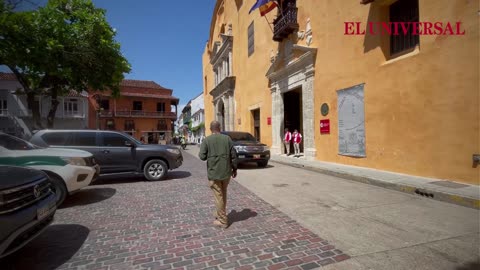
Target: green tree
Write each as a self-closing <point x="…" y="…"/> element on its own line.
<point x="65" y="45"/>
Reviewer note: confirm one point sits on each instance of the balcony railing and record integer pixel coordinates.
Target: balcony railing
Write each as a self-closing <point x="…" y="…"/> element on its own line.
<point x="4" y="112"/>
<point x="286" y="23"/>
<point x="138" y="114"/>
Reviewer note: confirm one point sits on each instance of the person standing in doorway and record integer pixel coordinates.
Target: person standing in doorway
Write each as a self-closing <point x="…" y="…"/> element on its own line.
<point x="217" y="149"/>
<point x="287" y="138"/>
<point x="297" y="139"/>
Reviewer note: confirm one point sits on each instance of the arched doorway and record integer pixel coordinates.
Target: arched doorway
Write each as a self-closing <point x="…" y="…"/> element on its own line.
<point x="221" y="113"/>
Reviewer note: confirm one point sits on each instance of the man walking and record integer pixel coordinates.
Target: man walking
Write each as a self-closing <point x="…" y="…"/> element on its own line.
<point x="297" y="139"/>
<point x="286" y="140"/>
<point x="217" y="149"/>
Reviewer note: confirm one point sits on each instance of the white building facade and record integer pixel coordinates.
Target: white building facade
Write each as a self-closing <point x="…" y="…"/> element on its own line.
<point x="16" y="116"/>
<point x="198" y="119"/>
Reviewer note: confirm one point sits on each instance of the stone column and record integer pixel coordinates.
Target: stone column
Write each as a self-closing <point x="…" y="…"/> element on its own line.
<point x="231" y="108"/>
<point x="226" y="116"/>
<point x="215" y="110"/>
<point x="277" y="120"/>
<point x="309" y="116"/>
<point x="225" y="72"/>
<point x="231" y="63"/>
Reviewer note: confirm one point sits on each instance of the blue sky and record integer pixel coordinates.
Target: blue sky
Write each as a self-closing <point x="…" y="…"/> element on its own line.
<point x="162" y="39"/>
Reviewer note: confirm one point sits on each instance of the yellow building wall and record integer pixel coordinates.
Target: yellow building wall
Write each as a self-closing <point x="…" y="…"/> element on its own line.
<point x="207" y="98"/>
<point x="251" y="87"/>
<point x="422" y="110"/>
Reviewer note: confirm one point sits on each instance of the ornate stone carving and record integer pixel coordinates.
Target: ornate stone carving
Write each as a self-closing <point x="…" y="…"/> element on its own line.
<point x="299" y="72"/>
<point x="308" y="33"/>
<point x="273" y="56"/>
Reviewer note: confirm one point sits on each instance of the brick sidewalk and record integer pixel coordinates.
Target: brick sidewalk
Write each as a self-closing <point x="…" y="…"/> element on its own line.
<point x="132" y="224"/>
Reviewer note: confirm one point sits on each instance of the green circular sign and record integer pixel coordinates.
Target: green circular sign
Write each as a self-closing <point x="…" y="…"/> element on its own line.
<point x="324" y="109"/>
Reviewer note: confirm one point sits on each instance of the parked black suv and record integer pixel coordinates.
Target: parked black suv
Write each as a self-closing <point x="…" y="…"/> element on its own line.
<point x="27" y="206"/>
<point x="248" y="148"/>
<point x="115" y="152"/>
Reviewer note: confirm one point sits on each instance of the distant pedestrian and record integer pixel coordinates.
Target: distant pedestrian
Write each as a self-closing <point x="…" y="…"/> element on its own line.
<point x="142" y="140"/>
<point x="297" y="139"/>
<point x="217" y="149"/>
<point x="286" y="140"/>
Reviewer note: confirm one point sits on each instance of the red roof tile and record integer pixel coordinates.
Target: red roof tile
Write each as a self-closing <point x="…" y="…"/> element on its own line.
<point x="7" y="77"/>
<point x="141" y="84"/>
<point x="73" y="93"/>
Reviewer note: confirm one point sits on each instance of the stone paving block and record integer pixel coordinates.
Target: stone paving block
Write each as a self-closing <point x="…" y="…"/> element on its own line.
<point x="310" y="266"/>
<point x="168" y="225"/>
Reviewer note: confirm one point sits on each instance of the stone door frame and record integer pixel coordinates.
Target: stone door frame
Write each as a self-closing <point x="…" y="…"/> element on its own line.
<point x="299" y="72"/>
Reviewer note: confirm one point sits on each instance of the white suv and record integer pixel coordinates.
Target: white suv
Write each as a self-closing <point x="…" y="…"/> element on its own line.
<point x="69" y="170"/>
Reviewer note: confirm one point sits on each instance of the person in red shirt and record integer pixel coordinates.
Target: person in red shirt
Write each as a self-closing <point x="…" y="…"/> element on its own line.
<point x="287" y="138"/>
<point x="297" y="139"/>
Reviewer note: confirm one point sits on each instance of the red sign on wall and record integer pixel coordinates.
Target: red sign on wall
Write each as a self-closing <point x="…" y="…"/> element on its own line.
<point x="325" y="126"/>
<point x="269" y="121"/>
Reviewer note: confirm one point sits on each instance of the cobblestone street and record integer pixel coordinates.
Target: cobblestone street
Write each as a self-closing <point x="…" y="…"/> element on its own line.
<point x="134" y="224"/>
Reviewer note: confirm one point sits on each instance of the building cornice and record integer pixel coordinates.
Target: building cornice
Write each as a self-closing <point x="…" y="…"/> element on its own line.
<point x="307" y="59"/>
<point x="224" y="87"/>
<point x="223" y="51"/>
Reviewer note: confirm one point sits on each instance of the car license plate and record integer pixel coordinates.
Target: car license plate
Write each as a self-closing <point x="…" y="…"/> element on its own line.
<point x="256" y="156"/>
<point x="43" y="212"/>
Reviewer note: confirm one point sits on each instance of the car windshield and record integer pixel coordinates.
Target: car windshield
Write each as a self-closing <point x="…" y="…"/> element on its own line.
<point x="241" y="136"/>
<point x="14" y="143"/>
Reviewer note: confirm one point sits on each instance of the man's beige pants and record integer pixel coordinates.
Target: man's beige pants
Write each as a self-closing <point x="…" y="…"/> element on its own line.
<point x="287" y="147"/>
<point x="219" y="189"/>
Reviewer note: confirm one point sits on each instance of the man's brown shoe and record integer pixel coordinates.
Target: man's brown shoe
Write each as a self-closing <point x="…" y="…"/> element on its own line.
<point x="219" y="224"/>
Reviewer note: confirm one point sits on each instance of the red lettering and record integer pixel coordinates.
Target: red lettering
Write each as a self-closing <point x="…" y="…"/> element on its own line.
<point x="458" y="29"/>
<point x="438" y="28"/>
<point x="449" y="28"/>
<point x="348" y="27"/>
<point x="404" y="27"/>
<point x="358" y="29"/>
<point x="370" y="28"/>
<point x="386" y="27"/>
<point x="416" y="28"/>
<point x="395" y="27"/>
<point x="427" y="28"/>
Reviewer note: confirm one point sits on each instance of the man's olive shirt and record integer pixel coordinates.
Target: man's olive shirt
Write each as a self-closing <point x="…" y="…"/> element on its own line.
<point x="221" y="157"/>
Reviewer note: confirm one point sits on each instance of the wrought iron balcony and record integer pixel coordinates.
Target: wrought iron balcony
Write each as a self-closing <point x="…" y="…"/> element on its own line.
<point x="286" y="23"/>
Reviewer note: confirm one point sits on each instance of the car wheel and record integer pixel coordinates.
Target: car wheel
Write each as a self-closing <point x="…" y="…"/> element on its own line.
<point x="59" y="188"/>
<point x="262" y="164"/>
<point x="155" y="170"/>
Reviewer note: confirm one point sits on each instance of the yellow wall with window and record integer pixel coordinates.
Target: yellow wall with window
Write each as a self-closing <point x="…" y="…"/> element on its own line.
<point x="422" y="109"/>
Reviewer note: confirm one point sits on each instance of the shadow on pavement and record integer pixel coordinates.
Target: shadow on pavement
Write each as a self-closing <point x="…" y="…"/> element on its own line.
<point x="252" y="166"/>
<point x="88" y="196"/>
<point x="177" y="175"/>
<point x="245" y="214"/>
<point x="51" y="249"/>
<point x="111" y="180"/>
<point x="469" y="266"/>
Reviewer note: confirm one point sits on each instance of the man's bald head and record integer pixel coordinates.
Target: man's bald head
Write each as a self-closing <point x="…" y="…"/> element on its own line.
<point x="215" y="126"/>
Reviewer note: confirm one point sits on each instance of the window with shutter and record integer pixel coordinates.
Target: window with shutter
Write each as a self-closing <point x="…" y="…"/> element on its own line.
<point x="251" y="39"/>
